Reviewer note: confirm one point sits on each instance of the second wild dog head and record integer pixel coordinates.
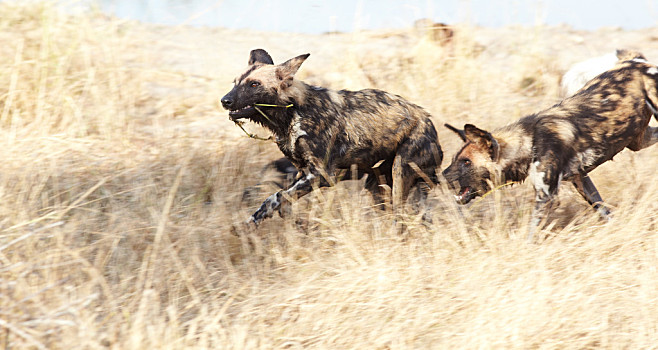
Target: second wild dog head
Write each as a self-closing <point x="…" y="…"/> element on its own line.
<point x="474" y="166"/>
<point x="262" y="83"/>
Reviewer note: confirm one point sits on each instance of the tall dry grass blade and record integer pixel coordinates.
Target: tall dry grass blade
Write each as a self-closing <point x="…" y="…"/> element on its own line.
<point x="15" y="330"/>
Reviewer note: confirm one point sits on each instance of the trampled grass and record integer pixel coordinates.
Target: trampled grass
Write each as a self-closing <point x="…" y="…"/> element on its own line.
<point x="121" y="186"/>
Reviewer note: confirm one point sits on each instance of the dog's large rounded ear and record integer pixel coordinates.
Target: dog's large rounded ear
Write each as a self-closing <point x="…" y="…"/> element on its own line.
<point x="259" y="56"/>
<point x="459" y="132"/>
<point x="484" y="139"/>
<point x="286" y="71"/>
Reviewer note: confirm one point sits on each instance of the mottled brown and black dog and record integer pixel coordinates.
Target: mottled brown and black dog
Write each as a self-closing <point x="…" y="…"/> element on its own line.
<point x="322" y="131"/>
<point x="567" y="141"/>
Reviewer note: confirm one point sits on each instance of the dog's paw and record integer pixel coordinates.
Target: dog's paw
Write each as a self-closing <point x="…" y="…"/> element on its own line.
<point x="251" y="223"/>
<point x="246" y="226"/>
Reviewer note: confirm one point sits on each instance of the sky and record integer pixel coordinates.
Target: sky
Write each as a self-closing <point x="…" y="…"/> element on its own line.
<point x="315" y="16"/>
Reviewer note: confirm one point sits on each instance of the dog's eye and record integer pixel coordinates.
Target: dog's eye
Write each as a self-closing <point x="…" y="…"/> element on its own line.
<point x="254" y="84"/>
<point x="466" y="162"/>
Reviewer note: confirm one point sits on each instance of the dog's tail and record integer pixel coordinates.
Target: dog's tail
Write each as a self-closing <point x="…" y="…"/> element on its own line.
<point x="650" y="98"/>
<point x="652" y="107"/>
<point x="651" y="90"/>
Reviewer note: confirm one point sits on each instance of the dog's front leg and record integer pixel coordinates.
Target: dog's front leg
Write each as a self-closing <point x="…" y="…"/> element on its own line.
<point x="542" y="203"/>
<point x="273" y="203"/>
<point x="546" y="180"/>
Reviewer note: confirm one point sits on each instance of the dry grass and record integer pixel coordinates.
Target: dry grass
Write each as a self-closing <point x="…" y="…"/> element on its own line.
<point x="121" y="181"/>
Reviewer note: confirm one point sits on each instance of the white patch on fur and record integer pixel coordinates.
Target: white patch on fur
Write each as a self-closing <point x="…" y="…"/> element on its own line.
<point x="297" y="129"/>
<point x="652" y="70"/>
<point x="296" y="132"/>
<point x="640" y="60"/>
<point x="537" y="178"/>
<point x="653" y="110"/>
<point x="308" y="178"/>
<point x="343" y="150"/>
<point x="273" y="201"/>
<point x="266" y="209"/>
<point x="604" y="212"/>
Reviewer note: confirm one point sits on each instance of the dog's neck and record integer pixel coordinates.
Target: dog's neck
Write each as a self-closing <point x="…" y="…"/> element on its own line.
<point x="290" y="101"/>
<point x="515" y="152"/>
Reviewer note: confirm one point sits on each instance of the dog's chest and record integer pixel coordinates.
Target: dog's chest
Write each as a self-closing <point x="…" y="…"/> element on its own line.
<point x="288" y="143"/>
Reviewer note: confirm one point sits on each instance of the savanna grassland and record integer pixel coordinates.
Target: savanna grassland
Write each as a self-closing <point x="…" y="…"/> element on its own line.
<point x="122" y="182"/>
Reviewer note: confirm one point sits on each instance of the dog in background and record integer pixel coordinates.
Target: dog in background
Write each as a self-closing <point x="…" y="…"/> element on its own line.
<point x="323" y="131"/>
<point x="564" y="142"/>
<point x="582" y="72"/>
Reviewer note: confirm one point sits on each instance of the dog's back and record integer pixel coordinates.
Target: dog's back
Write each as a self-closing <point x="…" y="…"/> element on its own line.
<point x="366" y="126"/>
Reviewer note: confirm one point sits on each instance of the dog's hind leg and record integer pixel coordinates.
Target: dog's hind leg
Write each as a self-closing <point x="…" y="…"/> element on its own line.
<point x="586" y="188"/>
<point x="415" y="173"/>
<point x="542" y="205"/>
<point x="398" y="190"/>
<point x="418" y="160"/>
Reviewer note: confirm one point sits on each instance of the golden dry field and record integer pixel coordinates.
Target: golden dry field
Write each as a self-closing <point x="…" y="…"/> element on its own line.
<point x="122" y="180"/>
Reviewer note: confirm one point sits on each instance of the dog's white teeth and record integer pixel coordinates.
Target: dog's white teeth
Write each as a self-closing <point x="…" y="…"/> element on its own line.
<point x="241" y="109"/>
<point x="458" y="197"/>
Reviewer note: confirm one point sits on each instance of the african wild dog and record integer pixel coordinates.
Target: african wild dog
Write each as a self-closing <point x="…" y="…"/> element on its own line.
<point x="566" y="141"/>
<point x="322" y="131"/>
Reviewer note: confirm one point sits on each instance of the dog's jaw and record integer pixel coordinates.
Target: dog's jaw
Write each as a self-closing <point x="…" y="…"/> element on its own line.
<point x="465" y="195"/>
<point x="241" y="113"/>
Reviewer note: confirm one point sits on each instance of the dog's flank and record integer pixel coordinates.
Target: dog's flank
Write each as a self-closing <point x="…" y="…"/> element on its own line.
<point x="564" y="142"/>
<point x="325" y="130"/>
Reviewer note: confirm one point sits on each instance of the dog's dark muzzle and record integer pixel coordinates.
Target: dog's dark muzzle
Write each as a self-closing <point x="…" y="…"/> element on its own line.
<point x="235" y="111"/>
<point x="228" y="100"/>
<point x="464" y="193"/>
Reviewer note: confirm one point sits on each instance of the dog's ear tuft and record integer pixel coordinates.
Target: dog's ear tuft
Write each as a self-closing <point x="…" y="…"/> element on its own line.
<point x="286" y="71"/>
<point x="459" y="132"/>
<point x="484" y="139"/>
<point x="260" y="56"/>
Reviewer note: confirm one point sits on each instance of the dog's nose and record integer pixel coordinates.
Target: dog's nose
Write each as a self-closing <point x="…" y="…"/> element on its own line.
<point x="227" y="102"/>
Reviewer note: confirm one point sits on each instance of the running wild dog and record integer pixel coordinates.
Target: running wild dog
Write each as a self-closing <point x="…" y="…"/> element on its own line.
<point x="566" y="141"/>
<point x="323" y="131"/>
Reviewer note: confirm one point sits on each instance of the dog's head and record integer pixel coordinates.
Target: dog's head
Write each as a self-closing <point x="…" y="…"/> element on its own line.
<point x="628" y="54"/>
<point x="262" y="83"/>
<point x="474" y="167"/>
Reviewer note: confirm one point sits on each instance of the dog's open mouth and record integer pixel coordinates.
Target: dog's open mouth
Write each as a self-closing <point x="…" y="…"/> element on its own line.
<point x="243" y="112"/>
<point x="465" y="195"/>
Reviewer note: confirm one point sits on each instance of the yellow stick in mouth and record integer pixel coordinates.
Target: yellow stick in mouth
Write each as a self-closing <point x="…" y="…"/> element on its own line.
<point x="251" y="135"/>
<point x="238" y="123"/>
<point x="492" y="191"/>
<point x="266" y="105"/>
